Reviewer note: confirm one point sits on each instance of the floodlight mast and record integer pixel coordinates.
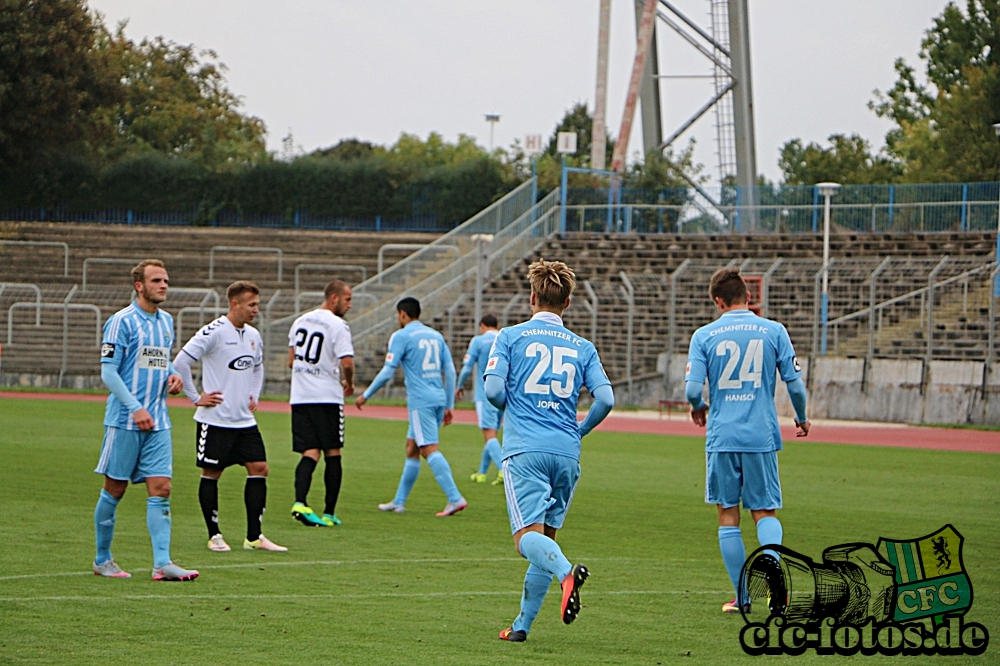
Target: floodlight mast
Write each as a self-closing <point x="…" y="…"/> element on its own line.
<point x="828" y="190"/>
<point x="996" y="285"/>
<point x="492" y="119"/>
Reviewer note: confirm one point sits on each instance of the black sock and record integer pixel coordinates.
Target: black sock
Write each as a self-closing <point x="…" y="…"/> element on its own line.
<point x="208" y="497"/>
<point x="332" y="476"/>
<point x="303" y="478"/>
<point x="255" y="497"/>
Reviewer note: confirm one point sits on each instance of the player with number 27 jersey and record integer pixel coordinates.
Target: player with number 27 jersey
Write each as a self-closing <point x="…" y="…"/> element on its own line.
<point x="742" y="351"/>
<point x="545" y="365"/>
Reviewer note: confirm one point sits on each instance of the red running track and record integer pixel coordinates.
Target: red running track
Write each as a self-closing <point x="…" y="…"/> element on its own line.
<point x="910" y="437"/>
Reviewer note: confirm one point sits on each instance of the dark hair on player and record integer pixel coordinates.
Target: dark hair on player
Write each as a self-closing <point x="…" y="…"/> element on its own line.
<point x="334" y="286"/>
<point x="552" y="282"/>
<point x="410" y="306"/>
<point x="489" y="321"/>
<point x="139" y="272"/>
<point x="727" y="284"/>
<point x="241" y="287"/>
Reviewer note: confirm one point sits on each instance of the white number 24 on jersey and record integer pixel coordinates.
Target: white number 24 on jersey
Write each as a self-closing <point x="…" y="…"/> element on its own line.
<point x="559" y="367"/>
<point x="750" y="370"/>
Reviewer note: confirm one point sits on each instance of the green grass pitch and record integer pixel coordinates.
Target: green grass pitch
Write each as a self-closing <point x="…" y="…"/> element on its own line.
<point x="415" y="589"/>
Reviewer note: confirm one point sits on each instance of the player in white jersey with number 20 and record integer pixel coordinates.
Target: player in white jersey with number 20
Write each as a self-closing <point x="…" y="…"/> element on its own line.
<point x="535" y="372"/>
<point x="232" y="374"/>
<point x="321" y="357"/>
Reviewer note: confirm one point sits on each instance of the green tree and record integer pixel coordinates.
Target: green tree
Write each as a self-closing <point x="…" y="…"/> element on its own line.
<point x="175" y="102"/>
<point x="53" y="79"/>
<point x="848" y="159"/>
<point x="578" y="119"/>
<point x="943" y="128"/>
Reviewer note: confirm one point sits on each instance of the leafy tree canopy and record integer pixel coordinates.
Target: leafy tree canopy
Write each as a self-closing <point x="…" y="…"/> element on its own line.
<point x="942" y="126"/>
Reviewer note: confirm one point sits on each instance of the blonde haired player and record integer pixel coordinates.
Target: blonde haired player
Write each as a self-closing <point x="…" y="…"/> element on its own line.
<point x="231" y="352"/>
<point x="535" y="372"/>
<point x="136" y="368"/>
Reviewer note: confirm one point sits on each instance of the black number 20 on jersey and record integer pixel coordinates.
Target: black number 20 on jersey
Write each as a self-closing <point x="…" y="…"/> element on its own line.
<point x="308" y="347"/>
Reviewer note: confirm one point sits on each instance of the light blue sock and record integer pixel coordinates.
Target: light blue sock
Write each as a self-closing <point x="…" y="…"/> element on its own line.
<point x="733" y="555"/>
<point x="536" y="586"/>
<point x="158" y="523"/>
<point x="104" y="525"/>
<point x="545" y="554"/>
<point x="768" y="532"/>
<point x="442" y="472"/>
<point x="496" y="456"/>
<point x="487" y="458"/>
<point x="411" y="469"/>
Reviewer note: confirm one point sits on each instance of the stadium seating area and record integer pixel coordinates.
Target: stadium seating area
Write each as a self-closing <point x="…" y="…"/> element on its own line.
<point x="186" y="252"/>
<point x="794" y="261"/>
<point x="667" y="273"/>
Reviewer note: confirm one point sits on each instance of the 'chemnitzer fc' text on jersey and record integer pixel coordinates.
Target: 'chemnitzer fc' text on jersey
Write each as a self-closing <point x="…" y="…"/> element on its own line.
<point x="228" y="356"/>
<point x="544" y="365"/>
<point x="478" y="355"/>
<point x="138" y="345"/>
<point x="319" y="339"/>
<point x="740" y="355"/>
<point x="423" y="354"/>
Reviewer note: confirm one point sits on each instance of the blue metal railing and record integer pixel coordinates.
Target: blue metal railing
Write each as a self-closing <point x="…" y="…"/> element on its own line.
<point x="227" y="218"/>
<point x="789" y="209"/>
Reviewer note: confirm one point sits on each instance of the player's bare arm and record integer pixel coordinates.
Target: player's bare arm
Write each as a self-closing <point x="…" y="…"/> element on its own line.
<point x="347" y="374"/>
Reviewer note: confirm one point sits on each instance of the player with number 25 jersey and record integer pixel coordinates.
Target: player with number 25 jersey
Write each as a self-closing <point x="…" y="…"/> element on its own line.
<point x="535" y="372"/>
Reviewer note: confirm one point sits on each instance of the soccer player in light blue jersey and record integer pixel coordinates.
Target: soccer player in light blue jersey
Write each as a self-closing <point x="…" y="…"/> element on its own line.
<point x="535" y="373"/>
<point x="489" y="416"/>
<point x="424" y="356"/>
<point x="136" y="368"/>
<point x="740" y="355"/>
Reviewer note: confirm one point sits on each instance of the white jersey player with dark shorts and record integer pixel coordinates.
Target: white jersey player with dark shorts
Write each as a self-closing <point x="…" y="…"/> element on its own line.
<point x="321" y="357"/>
<point x="232" y="358"/>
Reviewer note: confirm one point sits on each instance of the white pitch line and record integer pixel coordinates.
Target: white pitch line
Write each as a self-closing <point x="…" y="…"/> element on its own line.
<point x="274" y="563"/>
<point x="386" y="595"/>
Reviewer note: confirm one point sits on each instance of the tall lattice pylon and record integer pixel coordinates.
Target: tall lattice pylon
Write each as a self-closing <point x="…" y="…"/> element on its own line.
<point x="725" y="128"/>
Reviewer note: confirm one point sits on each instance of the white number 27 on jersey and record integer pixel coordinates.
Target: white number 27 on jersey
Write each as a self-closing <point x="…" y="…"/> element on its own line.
<point x="750" y="371"/>
<point x="559" y="367"/>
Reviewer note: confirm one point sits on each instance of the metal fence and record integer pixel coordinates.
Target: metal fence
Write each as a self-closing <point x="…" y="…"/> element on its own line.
<point x="225" y="218"/>
<point x="787" y="209"/>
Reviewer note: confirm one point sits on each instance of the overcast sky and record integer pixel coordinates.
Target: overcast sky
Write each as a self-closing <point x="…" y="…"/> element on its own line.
<point x="371" y="69"/>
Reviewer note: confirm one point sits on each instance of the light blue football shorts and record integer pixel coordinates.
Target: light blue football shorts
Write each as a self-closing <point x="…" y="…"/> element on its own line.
<point x="424" y="424"/>
<point x="133" y="455"/>
<point x="732" y="476"/>
<point x="539" y="488"/>
<point x="490" y="418"/>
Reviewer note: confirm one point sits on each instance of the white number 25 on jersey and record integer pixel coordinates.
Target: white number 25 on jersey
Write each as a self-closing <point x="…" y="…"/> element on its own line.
<point x="750" y="371"/>
<point x="559" y="367"/>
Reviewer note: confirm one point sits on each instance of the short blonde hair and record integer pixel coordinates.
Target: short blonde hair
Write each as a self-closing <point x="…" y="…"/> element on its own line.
<point x="139" y="272"/>
<point x="552" y="282"/>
